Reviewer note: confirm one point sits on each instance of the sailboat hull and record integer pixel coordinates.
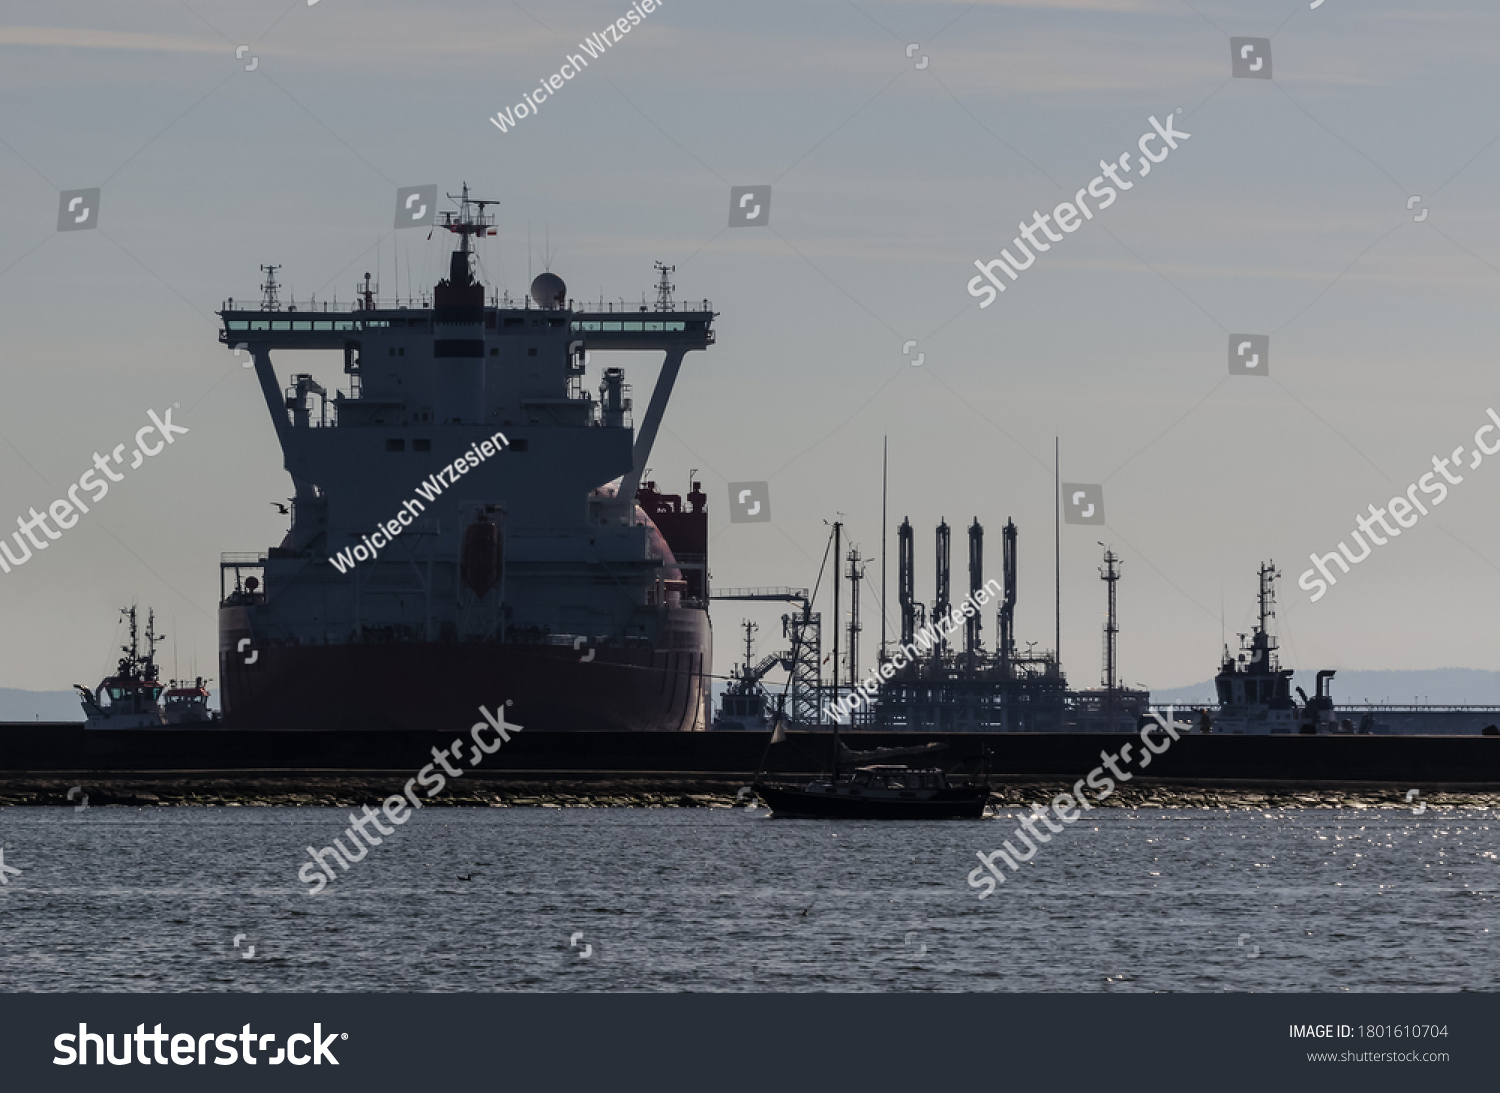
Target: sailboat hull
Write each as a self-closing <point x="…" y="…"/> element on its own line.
<point x="821" y="802"/>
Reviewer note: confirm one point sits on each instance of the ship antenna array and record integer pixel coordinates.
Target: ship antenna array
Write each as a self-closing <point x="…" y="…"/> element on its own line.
<point x="268" y="300"/>
<point x="664" y="289"/>
<point x="465" y="224"/>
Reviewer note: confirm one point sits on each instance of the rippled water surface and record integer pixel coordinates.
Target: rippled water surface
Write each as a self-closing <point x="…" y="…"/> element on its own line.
<point x="118" y="899"/>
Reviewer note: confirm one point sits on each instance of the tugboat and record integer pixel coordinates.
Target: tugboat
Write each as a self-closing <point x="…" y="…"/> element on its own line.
<point x="1255" y="692"/>
<point x="744" y="705"/>
<point x="129" y="699"/>
<point x="188" y="705"/>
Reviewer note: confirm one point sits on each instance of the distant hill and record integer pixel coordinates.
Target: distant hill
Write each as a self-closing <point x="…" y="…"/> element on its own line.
<point x="1444" y="686"/>
<point x="16" y="705"/>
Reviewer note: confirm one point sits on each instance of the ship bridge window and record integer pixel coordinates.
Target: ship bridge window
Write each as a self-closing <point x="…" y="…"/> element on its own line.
<point x="515" y="322"/>
<point x="395" y="444"/>
<point x="259" y="324"/>
<point x="237" y="324"/>
<point x="281" y="324"/>
<point x="302" y="324"/>
<point x="554" y="323"/>
<point x="586" y="326"/>
<point x="323" y="324"/>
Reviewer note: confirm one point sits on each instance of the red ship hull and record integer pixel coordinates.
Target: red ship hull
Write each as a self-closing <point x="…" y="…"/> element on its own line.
<point x="411" y="686"/>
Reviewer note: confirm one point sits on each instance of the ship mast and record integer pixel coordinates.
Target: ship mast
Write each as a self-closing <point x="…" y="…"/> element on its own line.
<point x="1111" y="629"/>
<point x="269" y="300"/>
<point x="750" y="629"/>
<point x="463" y="224"/>
<point x="152" y="637"/>
<point x="664" y="288"/>
<point x="1268" y="577"/>
<point x="1262" y="645"/>
<point x="131" y="651"/>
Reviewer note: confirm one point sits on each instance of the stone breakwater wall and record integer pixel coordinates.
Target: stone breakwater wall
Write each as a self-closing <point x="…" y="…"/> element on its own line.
<point x="1291" y="795"/>
<point x="350" y="791"/>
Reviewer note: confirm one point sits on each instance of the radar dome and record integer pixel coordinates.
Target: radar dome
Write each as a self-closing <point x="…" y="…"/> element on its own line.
<point x="549" y="291"/>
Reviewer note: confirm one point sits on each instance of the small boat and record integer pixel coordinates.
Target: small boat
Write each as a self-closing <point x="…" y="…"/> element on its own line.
<point x="880" y="792"/>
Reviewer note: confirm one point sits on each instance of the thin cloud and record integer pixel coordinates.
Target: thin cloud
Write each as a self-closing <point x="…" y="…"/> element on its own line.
<point x="80" y="38"/>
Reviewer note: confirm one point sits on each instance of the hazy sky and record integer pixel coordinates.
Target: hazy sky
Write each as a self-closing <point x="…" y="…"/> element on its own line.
<point x="1284" y="214"/>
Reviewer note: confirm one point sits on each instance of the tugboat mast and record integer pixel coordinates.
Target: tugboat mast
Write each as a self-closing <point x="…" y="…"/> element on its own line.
<point x="750" y="629"/>
<point x="1268" y="577"/>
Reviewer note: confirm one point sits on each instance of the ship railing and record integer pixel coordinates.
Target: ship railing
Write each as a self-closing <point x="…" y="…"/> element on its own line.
<point x="623" y="308"/>
<point x="424" y="302"/>
<point x="1414" y="707"/>
<point x="777" y="593"/>
<point x="1360" y="707"/>
<point x="389" y="303"/>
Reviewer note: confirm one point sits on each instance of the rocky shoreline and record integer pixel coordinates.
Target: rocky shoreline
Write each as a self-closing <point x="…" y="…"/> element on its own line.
<point x="346" y="791"/>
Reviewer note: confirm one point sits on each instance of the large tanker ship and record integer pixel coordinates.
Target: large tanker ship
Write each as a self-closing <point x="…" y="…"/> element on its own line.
<point x="469" y="525"/>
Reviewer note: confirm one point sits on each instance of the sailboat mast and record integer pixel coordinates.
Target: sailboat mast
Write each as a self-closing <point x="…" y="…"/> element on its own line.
<point x="885" y="477"/>
<point x="837" y="527"/>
